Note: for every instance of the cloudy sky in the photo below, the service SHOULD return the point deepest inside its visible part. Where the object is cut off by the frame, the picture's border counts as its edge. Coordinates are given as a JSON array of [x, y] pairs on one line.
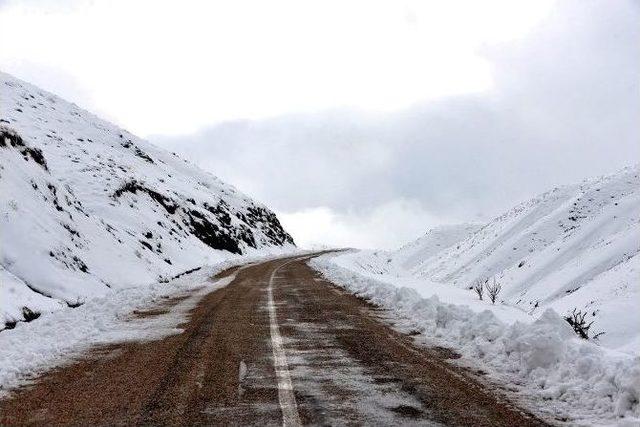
[[362, 123]]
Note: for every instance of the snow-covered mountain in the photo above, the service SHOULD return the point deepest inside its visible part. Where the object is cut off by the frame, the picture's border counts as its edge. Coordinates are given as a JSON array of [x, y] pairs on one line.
[[573, 247], [86, 206]]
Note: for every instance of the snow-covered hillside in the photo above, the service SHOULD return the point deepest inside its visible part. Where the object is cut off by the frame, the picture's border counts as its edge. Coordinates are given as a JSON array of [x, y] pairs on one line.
[[86, 206], [412, 255], [575, 247]]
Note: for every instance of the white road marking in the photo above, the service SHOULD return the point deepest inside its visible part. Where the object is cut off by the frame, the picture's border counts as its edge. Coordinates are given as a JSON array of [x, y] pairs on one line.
[[242, 373], [287, 399]]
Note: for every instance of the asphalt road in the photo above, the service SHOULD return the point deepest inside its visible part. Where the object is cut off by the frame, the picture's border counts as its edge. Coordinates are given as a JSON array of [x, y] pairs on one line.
[[277, 346]]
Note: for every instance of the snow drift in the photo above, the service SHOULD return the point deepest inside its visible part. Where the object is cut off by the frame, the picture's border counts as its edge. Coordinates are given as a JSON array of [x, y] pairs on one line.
[[546, 366], [87, 206]]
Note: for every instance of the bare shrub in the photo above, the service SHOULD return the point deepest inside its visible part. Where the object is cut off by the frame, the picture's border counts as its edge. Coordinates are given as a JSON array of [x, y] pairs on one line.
[[580, 326], [478, 287], [493, 289]]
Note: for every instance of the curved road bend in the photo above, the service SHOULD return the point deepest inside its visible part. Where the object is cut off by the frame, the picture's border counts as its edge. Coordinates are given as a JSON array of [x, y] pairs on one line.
[[277, 346]]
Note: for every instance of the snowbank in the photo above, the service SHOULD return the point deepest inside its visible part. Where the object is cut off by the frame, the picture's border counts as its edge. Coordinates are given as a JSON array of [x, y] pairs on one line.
[[554, 371]]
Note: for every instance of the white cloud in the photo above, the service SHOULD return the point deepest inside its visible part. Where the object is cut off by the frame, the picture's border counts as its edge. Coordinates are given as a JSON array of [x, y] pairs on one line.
[[173, 67], [565, 106]]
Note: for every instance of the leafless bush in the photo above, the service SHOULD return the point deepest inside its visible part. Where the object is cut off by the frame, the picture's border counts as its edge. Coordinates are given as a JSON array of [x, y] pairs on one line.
[[493, 289], [580, 326], [478, 286]]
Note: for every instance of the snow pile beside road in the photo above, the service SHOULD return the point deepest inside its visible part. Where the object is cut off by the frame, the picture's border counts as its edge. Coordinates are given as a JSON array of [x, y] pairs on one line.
[[14, 289], [554, 370]]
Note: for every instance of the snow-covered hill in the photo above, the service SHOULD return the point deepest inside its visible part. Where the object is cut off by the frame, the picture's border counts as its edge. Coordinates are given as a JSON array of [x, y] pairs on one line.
[[573, 247], [86, 206]]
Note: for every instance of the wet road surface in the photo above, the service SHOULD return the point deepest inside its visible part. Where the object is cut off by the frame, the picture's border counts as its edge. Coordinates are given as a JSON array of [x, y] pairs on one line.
[[278, 346]]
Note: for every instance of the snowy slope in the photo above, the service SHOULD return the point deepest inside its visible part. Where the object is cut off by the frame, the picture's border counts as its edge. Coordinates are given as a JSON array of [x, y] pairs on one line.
[[410, 256], [86, 206], [413, 254], [573, 247]]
